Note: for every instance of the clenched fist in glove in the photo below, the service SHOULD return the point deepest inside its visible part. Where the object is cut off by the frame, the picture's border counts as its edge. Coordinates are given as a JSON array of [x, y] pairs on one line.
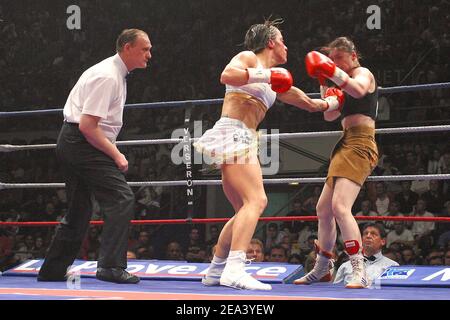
[[279, 79], [335, 99], [320, 66]]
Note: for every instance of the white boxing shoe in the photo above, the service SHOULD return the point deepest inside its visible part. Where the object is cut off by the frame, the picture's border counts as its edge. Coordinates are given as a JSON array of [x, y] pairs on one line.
[[234, 275], [212, 277], [320, 273], [242, 280], [359, 278]]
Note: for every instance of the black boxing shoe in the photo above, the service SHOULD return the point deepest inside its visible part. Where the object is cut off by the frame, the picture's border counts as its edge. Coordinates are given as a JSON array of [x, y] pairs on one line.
[[116, 275]]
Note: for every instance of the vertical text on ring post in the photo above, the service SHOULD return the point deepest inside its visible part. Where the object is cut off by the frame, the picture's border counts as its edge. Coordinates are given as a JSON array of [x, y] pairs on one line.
[[267, 147]]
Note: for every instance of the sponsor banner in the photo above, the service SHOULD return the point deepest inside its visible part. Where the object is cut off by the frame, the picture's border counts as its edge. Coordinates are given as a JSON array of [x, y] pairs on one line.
[[414, 276], [167, 270]]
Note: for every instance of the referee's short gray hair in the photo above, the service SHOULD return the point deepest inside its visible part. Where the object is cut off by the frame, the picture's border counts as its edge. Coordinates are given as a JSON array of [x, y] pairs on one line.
[[128, 36]]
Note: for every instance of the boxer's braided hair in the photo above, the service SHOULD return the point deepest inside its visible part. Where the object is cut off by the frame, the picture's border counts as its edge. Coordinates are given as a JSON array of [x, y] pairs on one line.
[[258, 36]]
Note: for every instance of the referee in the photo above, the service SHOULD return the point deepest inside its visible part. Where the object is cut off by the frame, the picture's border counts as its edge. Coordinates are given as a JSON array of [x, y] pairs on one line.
[[373, 241], [94, 167]]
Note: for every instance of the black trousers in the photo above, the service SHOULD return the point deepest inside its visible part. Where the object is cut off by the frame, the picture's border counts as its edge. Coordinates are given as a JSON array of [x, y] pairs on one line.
[[88, 171]]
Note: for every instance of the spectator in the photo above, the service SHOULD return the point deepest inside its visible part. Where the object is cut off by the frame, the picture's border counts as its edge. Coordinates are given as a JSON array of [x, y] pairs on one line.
[[382, 200], [409, 257], [213, 236], [310, 261], [148, 203], [444, 163], [306, 238], [296, 259], [255, 250], [365, 211], [391, 254], [278, 254], [91, 242], [388, 169], [195, 244], [434, 198], [393, 211], [297, 210], [399, 235], [435, 258], [411, 164], [6, 244], [443, 229], [407, 199], [272, 236], [39, 248], [447, 258], [398, 157], [422, 228], [131, 255], [196, 254], [145, 253], [310, 203], [420, 186], [24, 250], [174, 252], [433, 162], [373, 241]]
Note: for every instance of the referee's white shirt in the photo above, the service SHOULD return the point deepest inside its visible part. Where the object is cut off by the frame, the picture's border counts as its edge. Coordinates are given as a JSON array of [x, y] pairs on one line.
[[373, 268], [101, 91]]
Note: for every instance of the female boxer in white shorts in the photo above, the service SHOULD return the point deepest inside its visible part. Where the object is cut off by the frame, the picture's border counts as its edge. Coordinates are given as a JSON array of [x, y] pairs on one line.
[[252, 85]]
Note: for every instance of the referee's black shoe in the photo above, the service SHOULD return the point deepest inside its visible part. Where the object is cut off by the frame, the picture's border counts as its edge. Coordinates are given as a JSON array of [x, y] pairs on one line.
[[116, 275]]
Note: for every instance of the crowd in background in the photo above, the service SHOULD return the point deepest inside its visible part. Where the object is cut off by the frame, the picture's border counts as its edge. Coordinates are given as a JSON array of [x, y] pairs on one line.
[[41, 59]]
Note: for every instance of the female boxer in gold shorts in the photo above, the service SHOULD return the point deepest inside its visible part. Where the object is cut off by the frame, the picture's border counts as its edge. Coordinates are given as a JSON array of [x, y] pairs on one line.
[[352, 160]]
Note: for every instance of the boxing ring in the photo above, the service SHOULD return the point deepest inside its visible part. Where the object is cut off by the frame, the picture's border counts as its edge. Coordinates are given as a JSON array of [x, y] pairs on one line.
[[25, 287]]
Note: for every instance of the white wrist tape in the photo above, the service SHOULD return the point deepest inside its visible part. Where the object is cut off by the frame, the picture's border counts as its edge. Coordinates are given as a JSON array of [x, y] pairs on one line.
[[258, 75], [340, 77], [323, 89], [333, 103]]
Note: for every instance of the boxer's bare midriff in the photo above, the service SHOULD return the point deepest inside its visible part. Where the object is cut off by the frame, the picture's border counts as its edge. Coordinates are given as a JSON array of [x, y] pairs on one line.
[[245, 108], [355, 120]]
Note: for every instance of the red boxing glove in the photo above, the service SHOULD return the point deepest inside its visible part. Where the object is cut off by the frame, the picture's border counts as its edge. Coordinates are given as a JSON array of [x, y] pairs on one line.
[[279, 78], [320, 66], [335, 99]]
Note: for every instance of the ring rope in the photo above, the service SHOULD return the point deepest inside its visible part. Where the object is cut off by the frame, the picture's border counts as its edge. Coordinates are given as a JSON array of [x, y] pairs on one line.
[[154, 105], [224, 220], [294, 135], [218, 182]]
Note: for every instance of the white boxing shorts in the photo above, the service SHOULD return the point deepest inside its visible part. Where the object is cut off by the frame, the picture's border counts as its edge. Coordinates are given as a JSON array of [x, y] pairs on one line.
[[229, 141]]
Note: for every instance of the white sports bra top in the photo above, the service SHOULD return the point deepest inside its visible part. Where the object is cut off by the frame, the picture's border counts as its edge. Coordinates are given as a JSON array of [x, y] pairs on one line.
[[260, 91]]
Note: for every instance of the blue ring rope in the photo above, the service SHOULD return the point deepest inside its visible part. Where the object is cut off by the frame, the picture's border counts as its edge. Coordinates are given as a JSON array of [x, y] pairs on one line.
[[183, 103]]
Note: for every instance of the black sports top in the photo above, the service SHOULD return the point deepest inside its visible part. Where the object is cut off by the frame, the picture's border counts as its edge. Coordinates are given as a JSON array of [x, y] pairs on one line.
[[367, 105]]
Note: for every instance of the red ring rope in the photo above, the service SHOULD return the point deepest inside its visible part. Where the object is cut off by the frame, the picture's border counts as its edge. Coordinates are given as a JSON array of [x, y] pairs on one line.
[[223, 220]]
